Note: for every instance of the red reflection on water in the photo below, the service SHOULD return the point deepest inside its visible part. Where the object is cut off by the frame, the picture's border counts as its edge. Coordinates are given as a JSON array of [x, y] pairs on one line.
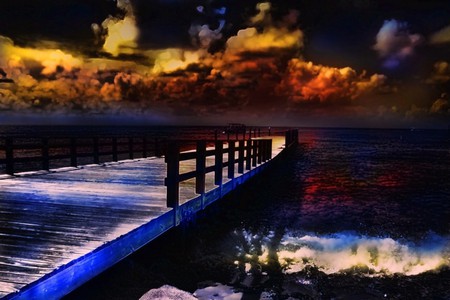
[[396, 176], [308, 139], [311, 189], [328, 186]]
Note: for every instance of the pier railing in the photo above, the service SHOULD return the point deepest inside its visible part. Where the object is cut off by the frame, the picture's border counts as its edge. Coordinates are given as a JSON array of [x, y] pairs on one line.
[[241, 155], [24, 153], [40, 153]]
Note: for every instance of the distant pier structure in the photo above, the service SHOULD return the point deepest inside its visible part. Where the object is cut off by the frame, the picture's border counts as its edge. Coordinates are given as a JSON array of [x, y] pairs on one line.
[[60, 227]]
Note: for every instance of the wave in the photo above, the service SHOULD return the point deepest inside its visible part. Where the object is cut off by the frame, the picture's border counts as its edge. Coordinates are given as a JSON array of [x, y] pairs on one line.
[[342, 252], [378, 256]]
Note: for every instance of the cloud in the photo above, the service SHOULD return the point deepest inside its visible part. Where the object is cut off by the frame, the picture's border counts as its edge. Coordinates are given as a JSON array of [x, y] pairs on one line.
[[266, 36], [308, 82], [441, 105], [250, 39], [260, 67], [394, 43], [263, 15], [49, 60], [440, 37], [204, 36], [171, 60], [118, 34], [440, 74]]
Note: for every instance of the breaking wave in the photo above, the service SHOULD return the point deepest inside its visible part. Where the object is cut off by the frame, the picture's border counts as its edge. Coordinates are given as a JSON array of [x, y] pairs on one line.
[[342, 252], [372, 255]]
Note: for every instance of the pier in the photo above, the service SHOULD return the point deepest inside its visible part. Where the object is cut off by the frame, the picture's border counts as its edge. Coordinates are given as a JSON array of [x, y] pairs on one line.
[[60, 227]]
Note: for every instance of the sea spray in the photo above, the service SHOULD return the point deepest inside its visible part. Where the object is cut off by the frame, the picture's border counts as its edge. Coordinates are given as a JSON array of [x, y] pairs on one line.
[[339, 252], [343, 251]]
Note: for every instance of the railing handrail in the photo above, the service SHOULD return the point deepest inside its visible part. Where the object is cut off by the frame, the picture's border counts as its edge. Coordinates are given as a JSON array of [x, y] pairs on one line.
[[74, 148], [251, 152]]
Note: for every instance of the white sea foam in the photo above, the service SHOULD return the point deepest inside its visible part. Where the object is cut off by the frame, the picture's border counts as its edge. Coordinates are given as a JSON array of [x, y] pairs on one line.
[[335, 253], [332, 254]]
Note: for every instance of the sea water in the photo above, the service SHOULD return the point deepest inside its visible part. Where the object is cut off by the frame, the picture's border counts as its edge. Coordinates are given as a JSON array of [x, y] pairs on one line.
[[352, 214]]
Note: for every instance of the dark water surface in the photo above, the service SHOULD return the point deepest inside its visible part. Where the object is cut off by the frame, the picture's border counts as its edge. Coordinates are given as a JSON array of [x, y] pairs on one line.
[[353, 214]]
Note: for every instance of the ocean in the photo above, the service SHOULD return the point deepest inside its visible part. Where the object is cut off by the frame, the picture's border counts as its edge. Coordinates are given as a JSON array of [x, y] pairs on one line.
[[352, 214]]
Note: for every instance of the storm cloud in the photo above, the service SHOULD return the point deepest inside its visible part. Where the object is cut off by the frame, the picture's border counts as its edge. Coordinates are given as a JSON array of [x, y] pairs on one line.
[[257, 66]]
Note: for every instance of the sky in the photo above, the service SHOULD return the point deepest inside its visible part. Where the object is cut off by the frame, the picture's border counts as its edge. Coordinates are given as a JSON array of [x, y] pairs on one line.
[[345, 63]]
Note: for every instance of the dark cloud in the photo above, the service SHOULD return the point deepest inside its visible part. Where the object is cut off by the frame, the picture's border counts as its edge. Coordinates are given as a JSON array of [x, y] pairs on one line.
[[213, 59]]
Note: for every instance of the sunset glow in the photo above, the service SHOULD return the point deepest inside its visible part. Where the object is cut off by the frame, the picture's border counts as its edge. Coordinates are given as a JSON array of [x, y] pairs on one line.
[[227, 67]]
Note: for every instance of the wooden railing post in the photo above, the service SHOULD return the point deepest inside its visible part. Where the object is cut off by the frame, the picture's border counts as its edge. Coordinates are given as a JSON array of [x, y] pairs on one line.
[[269, 149], [73, 152], [291, 137], [45, 154], [295, 137], [173, 173], [260, 144], [9, 153], [157, 148], [259, 132], [255, 153], [231, 156], [114, 149], [200, 167], [218, 166], [263, 150], [130, 147], [248, 155], [144, 147], [241, 156], [96, 151], [287, 136]]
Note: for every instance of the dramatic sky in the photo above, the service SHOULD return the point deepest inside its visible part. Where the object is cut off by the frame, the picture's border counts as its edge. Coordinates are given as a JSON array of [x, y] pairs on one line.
[[368, 63]]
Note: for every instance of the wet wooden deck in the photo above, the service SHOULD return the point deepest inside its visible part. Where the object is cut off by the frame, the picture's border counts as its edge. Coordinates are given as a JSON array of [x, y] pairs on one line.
[[50, 220]]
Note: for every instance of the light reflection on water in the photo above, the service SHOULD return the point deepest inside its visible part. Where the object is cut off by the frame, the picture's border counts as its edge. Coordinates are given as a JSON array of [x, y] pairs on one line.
[[367, 191], [388, 183]]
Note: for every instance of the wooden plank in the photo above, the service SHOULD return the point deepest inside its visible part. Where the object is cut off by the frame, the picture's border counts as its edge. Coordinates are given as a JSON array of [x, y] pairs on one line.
[[49, 221]]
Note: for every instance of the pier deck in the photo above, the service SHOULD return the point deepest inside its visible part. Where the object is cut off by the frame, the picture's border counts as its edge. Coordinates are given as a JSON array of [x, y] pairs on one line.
[[59, 224]]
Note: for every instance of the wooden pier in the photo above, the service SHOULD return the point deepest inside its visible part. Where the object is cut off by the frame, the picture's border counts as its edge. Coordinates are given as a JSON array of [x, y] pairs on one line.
[[61, 227]]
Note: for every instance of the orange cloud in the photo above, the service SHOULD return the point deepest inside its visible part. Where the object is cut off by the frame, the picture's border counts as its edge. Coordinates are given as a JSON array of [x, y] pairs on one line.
[[49, 60], [119, 35], [255, 68], [307, 82], [440, 74], [441, 105], [171, 60], [250, 39], [441, 37]]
